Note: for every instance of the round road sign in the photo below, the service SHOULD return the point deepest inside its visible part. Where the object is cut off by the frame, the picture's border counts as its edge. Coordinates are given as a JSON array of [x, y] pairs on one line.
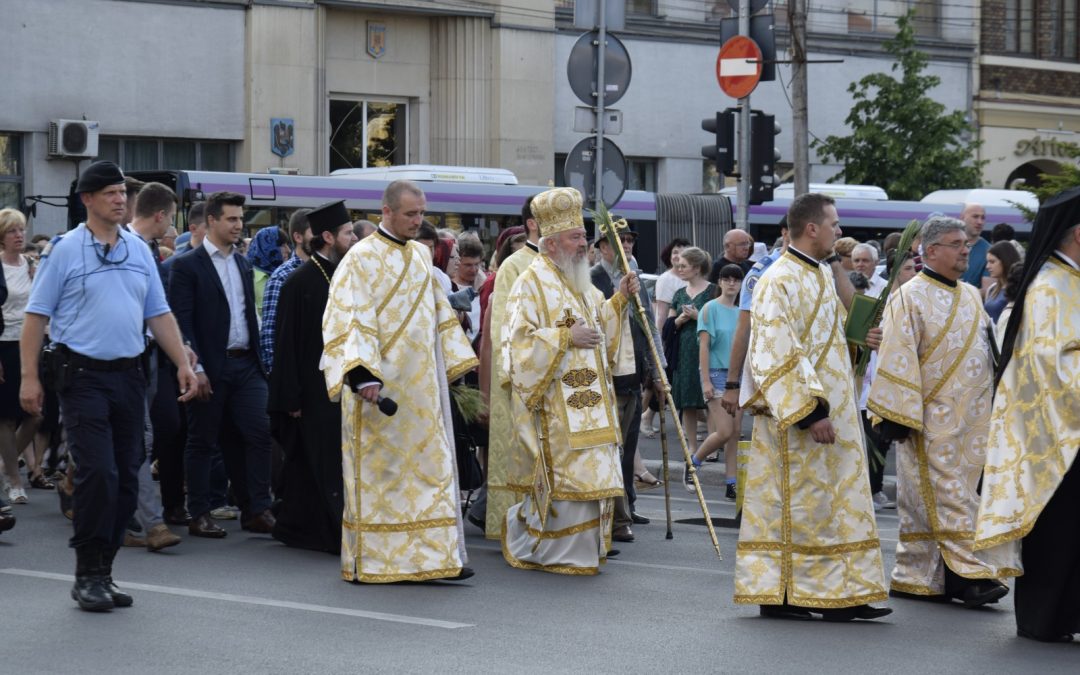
[[735, 70], [579, 172], [581, 69]]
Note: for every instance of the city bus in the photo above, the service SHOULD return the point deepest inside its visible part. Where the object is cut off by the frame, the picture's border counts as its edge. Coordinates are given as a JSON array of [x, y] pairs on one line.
[[867, 213], [458, 198]]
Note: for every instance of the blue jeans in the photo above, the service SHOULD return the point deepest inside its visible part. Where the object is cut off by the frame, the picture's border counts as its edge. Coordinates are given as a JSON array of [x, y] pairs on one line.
[[239, 399]]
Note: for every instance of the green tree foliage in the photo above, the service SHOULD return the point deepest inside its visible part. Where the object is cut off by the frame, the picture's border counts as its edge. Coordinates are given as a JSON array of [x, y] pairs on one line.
[[902, 139]]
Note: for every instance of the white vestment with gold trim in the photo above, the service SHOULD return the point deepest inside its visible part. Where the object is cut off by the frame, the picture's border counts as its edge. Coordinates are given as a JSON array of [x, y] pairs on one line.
[[568, 431], [386, 314], [808, 533], [1035, 423], [935, 376]]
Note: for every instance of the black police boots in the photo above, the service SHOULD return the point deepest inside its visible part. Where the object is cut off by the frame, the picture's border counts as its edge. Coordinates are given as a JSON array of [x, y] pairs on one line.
[[89, 589], [119, 598]]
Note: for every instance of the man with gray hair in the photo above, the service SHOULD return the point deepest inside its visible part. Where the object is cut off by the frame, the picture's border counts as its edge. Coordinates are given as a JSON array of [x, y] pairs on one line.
[[864, 258], [932, 394]]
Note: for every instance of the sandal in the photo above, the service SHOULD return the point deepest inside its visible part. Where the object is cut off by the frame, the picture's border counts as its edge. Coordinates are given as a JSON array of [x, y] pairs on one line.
[[647, 481], [40, 482]]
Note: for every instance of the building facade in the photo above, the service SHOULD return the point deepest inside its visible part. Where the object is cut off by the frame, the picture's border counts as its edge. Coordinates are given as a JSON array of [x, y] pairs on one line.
[[1028, 103], [317, 85], [674, 44]]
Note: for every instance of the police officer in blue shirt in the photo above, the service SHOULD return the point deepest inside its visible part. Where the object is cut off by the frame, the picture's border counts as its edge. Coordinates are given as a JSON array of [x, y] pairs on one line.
[[98, 290]]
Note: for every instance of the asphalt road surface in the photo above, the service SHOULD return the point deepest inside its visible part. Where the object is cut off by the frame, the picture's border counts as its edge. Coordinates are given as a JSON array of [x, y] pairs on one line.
[[248, 604]]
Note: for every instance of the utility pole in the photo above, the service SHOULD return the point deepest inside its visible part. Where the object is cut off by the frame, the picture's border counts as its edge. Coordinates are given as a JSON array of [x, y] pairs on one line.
[[601, 35], [799, 116], [742, 210]]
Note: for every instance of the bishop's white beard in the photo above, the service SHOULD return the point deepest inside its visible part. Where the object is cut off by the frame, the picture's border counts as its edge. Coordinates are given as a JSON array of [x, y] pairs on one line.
[[576, 271]]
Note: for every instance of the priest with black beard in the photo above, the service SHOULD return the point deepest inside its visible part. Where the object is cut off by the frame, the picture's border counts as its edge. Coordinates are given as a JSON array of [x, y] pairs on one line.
[[304, 420]]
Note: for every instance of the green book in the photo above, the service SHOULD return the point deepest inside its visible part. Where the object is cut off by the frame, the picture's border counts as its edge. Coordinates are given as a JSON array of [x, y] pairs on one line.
[[860, 319]]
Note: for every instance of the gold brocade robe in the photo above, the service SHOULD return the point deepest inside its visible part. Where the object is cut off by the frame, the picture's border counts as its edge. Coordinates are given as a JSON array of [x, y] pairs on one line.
[[935, 376], [562, 395], [387, 314], [1035, 424], [501, 419], [808, 530]]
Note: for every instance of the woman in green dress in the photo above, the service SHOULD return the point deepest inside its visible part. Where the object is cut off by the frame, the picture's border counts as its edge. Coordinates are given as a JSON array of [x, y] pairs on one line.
[[693, 267]]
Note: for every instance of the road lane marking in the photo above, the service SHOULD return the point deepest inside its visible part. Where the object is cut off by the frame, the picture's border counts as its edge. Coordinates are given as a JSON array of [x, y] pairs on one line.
[[251, 600]]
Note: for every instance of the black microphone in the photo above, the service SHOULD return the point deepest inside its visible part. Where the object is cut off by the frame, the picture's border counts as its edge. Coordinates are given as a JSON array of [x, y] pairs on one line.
[[387, 406], [107, 248]]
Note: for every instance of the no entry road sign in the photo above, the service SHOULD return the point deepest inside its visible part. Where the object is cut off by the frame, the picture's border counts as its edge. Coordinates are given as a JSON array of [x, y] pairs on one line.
[[735, 70]]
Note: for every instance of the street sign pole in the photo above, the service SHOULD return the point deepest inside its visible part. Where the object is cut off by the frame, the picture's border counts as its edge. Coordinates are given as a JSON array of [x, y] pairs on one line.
[[598, 180], [742, 214]]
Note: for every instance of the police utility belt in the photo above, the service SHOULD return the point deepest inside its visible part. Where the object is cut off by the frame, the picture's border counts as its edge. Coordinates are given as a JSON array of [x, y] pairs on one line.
[[59, 362]]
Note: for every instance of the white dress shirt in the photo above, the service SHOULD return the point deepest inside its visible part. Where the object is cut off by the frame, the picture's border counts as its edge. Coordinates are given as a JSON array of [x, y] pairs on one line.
[[229, 272]]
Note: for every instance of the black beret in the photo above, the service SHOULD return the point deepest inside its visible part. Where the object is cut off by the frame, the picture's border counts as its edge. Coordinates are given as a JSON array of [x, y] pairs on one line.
[[99, 176], [328, 217]]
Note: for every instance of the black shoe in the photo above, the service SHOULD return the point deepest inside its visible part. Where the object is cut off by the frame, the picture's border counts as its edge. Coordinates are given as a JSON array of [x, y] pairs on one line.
[[612, 553], [89, 591], [623, 534], [729, 492], [851, 613], [715, 457], [1064, 637], [119, 598], [464, 574], [785, 612], [639, 519], [6, 522], [983, 593], [91, 594]]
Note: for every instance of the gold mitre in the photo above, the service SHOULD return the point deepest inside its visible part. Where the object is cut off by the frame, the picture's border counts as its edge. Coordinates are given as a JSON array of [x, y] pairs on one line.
[[557, 210]]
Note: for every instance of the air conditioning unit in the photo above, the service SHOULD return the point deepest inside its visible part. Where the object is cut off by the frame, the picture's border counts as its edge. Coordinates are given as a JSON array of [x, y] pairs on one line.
[[77, 139]]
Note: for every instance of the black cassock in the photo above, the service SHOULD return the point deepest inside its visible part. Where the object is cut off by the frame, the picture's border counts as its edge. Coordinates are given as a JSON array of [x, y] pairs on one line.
[[310, 487]]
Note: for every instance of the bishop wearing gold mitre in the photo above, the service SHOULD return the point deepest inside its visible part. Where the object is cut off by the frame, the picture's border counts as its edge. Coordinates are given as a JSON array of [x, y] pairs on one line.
[[391, 338], [808, 541], [932, 395], [558, 344], [1030, 508]]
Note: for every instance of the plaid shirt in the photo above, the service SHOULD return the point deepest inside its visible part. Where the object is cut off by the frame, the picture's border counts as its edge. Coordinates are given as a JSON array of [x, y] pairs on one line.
[[269, 308]]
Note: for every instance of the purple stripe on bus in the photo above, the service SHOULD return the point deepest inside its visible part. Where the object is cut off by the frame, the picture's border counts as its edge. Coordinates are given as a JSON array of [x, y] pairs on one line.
[[261, 188]]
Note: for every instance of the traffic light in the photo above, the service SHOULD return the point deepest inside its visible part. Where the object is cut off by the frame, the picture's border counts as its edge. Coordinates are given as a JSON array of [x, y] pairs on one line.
[[763, 157], [722, 149]]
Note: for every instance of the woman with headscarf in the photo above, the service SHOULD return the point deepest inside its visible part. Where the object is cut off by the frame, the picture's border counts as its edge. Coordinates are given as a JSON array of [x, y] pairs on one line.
[[269, 248]]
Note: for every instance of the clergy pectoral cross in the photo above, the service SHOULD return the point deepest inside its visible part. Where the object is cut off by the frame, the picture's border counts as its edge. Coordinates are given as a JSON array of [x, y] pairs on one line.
[[567, 321]]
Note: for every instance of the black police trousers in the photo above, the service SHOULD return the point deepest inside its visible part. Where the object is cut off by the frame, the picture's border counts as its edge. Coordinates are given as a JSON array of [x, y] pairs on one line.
[[103, 414]]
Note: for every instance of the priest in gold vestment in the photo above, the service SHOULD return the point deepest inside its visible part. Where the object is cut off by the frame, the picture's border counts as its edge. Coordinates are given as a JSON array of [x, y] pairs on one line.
[[808, 543], [932, 394], [558, 344], [390, 333], [1031, 490], [502, 439]]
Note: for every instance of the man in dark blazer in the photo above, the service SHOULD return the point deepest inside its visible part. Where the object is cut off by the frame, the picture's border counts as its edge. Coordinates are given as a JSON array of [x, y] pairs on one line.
[[211, 290]]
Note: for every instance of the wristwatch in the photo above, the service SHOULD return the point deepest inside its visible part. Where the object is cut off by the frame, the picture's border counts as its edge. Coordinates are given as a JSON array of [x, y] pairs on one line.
[[732, 385]]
